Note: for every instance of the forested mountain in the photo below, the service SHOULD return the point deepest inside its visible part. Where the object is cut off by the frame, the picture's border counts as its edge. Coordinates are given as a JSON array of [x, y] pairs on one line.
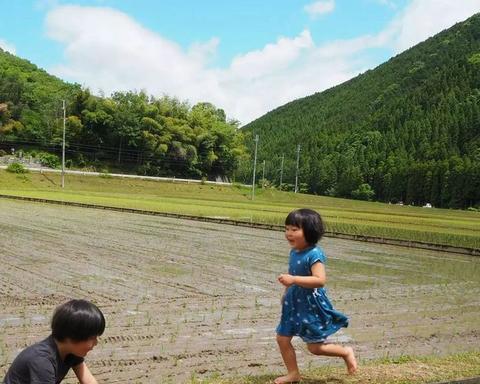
[[408, 130], [129, 131]]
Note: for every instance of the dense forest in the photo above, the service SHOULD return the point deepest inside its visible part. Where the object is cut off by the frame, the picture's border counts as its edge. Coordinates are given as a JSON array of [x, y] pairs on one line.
[[407, 131], [128, 131]]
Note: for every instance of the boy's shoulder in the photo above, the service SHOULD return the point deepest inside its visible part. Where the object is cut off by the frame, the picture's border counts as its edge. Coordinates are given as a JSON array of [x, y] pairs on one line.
[[39, 352], [37, 360]]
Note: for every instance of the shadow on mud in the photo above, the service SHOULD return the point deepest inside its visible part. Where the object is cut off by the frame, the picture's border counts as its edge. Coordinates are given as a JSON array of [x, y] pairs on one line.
[[328, 380], [268, 379]]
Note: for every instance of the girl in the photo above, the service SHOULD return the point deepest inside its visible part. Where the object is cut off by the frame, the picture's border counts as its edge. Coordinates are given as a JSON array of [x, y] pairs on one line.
[[306, 310], [75, 328]]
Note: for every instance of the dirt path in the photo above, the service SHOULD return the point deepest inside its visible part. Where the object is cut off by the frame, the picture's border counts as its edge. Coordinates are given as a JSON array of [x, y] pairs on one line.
[[189, 299]]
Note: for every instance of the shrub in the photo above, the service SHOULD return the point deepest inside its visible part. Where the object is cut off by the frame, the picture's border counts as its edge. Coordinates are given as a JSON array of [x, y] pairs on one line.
[[49, 159], [332, 191], [287, 187], [81, 160], [16, 168], [363, 192]]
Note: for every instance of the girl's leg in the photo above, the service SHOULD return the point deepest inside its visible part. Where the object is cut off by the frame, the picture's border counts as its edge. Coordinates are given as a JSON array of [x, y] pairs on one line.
[[290, 360], [335, 350]]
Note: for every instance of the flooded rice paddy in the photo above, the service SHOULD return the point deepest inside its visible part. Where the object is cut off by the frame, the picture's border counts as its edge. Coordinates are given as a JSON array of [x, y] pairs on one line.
[[185, 298]]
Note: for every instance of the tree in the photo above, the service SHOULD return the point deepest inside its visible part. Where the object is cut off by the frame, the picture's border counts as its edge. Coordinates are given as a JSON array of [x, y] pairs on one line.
[[363, 192]]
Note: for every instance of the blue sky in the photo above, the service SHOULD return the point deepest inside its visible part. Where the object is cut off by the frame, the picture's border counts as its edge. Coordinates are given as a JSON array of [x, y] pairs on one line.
[[246, 56]]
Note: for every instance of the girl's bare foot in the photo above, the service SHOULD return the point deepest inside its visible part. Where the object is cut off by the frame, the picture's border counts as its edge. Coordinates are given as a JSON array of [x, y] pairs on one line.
[[350, 361], [290, 378]]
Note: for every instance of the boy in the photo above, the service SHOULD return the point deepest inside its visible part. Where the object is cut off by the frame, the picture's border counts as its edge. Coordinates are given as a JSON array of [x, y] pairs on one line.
[[75, 328]]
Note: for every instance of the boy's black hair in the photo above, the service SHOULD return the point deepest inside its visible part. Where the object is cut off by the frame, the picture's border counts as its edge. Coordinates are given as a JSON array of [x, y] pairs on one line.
[[310, 222], [77, 320]]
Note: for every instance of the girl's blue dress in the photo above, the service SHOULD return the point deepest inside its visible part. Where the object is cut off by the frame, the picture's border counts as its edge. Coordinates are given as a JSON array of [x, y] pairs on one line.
[[307, 312]]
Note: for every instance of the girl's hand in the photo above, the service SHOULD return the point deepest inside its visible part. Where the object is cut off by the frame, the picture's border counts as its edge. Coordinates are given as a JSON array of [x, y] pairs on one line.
[[286, 279]]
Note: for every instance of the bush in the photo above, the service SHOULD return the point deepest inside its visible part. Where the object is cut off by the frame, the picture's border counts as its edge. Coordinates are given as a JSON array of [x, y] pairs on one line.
[[332, 191], [16, 168], [264, 183], [287, 187], [49, 159], [363, 192], [80, 160], [3, 153]]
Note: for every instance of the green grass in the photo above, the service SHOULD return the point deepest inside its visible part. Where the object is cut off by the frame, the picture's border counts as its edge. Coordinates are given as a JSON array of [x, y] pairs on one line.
[[402, 370], [438, 226]]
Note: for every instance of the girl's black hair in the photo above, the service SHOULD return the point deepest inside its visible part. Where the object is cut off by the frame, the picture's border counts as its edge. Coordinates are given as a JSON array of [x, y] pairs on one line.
[[77, 320], [310, 222]]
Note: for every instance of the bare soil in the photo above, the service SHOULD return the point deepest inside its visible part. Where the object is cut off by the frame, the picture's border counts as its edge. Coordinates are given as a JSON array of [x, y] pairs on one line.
[[189, 299]]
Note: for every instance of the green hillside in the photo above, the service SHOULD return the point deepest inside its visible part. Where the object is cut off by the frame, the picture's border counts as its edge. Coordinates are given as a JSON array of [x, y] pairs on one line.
[[128, 131], [408, 130], [30, 98]]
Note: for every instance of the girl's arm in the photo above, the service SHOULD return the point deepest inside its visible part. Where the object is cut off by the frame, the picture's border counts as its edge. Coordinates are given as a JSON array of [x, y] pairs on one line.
[[84, 375], [317, 280]]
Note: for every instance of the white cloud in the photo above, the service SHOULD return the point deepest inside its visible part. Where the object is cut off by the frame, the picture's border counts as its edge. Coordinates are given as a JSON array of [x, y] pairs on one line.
[[107, 50], [6, 46], [204, 52], [422, 19], [320, 7], [272, 58]]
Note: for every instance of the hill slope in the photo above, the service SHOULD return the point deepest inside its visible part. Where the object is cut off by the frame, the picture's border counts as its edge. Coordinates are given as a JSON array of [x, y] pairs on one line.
[[408, 130], [129, 131], [30, 98]]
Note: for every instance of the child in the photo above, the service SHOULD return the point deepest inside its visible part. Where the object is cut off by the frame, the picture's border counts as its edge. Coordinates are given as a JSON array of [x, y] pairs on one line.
[[306, 310], [75, 328]]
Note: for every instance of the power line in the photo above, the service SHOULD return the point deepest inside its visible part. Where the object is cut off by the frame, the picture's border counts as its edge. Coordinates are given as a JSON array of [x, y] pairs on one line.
[[106, 152]]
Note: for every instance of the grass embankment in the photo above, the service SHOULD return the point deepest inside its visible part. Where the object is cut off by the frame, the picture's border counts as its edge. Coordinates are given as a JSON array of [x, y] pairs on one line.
[[437, 226], [402, 370]]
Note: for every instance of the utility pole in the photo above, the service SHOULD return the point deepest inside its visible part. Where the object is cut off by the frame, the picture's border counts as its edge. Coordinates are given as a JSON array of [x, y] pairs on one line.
[[254, 167], [63, 147], [296, 172], [263, 175], [281, 172]]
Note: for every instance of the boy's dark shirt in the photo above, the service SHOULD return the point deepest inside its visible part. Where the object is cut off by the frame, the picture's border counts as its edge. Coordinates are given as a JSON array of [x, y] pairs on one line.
[[40, 364]]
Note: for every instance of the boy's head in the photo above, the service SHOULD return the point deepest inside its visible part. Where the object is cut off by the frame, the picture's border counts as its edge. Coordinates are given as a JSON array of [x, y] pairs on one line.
[[310, 222], [77, 320]]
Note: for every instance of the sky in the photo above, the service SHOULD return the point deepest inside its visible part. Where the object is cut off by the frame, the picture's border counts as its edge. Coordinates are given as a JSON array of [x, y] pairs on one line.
[[244, 56]]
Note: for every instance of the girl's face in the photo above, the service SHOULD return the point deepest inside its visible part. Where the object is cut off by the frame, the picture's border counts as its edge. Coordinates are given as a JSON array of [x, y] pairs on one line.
[[81, 348], [295, 237]]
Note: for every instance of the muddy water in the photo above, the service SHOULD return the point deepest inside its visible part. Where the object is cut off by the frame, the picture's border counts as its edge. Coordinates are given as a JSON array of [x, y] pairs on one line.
[[185, 299]]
